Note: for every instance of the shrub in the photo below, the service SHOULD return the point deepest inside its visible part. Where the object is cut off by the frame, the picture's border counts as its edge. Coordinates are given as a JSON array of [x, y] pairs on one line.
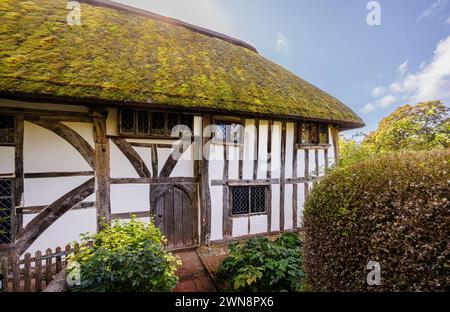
[[393, 209], [126, 256], [263, 265]]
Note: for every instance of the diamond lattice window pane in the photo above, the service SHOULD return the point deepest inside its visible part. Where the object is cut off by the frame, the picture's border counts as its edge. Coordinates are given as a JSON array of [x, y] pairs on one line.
[[306, 137], [7, 129], [240, 200], [220, 132], [258, 199], [172, 122], [127, 121], [6, 202], [323, 135], [188, 121], [158, 121], [143, 126]]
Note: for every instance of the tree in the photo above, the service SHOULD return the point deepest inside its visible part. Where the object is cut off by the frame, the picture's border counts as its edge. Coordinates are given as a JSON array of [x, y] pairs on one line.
[[424, 126]]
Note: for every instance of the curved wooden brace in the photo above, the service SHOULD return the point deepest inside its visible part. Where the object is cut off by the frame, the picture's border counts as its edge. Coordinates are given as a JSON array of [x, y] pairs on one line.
[[161, 189], [72, 137], [134, 158], [51, 213], [172, 161]]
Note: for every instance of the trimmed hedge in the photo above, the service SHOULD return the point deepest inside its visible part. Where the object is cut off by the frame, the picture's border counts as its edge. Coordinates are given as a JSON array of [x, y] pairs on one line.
[[393, 209]]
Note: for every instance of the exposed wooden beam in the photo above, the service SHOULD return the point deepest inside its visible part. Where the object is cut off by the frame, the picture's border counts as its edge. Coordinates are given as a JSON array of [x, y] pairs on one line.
[[127, 215], [133, 157], [102, 169], [154, 181], [227, 225], [38, 209], [294, 175], [255, 158], [51, 213], [173, 159], [39, 175], [17, 223], [282, 174], [205, 196]]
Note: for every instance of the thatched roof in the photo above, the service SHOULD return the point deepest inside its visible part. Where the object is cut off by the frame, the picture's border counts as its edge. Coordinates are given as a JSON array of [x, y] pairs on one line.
[[123, 56]]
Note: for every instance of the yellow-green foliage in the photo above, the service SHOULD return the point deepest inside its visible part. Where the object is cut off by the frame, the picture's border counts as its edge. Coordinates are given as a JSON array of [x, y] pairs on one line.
[[118, 56]]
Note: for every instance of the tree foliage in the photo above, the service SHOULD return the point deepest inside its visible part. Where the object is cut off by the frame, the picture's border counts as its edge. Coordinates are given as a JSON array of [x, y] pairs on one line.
[[424, 126]]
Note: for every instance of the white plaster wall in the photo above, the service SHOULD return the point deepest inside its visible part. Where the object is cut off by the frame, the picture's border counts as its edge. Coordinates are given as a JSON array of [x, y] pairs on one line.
[[289, 150], [119, 164], [233, 164], [65, 230], [300, 202], [44, 191], [262, 149], [216, 165], [276, 150], [146, 154], [301, 163], [312, 162], [331, 156], [288, 206], [321, 156], [258, 224], [249, 149], [7, 159], [84, 129], [130, 198], [275, 221], [112, 125], [44, 151], [185, 165], [216, 193], [163, 155], [240, 227]]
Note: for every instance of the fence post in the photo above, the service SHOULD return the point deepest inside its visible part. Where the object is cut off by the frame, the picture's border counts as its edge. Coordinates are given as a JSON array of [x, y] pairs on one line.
[[27, 272], [68, 250], [48, 266], [15, 272], [58, 260], [38, 271], [4, 272]]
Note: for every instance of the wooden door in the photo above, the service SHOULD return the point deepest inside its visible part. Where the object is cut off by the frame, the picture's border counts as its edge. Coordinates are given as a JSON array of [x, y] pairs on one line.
[[176, 218]]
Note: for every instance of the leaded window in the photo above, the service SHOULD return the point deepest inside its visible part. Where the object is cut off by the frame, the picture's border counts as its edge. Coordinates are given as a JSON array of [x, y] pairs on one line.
[[229, 132], [140, 122], [7, 125], [248, 199], [313, 134], [6, 206]]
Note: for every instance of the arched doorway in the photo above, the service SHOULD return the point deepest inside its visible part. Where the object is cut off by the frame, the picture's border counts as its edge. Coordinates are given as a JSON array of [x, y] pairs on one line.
[[175, 217]]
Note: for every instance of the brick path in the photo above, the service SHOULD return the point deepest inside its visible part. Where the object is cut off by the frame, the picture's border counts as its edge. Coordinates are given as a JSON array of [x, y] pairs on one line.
[[193, 276]]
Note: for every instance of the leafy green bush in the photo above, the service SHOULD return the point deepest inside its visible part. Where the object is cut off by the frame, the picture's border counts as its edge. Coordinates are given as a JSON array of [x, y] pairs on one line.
[[393, 209], [263, 265], [126, 256]]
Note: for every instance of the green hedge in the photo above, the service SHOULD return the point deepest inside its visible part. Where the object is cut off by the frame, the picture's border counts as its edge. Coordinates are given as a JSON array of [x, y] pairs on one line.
[[395, 210]]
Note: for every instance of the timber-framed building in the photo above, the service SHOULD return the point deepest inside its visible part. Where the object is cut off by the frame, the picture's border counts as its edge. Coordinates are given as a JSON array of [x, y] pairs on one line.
[[87, 114]]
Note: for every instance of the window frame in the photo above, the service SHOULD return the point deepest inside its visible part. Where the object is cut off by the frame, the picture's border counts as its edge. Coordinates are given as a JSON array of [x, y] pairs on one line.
[[13, 143], [149, 134], [12, 208], [320, 126], [228, 122], [266, 188]]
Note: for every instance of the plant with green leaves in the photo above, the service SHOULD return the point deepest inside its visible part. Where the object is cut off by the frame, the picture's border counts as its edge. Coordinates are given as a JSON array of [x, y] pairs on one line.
[[124, 257], [425, 126], [263, 265]]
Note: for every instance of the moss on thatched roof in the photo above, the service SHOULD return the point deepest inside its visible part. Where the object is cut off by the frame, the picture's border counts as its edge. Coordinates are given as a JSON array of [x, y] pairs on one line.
[[120, 57]]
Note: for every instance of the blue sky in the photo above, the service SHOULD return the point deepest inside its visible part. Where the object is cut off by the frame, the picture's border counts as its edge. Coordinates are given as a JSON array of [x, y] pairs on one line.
[[373, 69]]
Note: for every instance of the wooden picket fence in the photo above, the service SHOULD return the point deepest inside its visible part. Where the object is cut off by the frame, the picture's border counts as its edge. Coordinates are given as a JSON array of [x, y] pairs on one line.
[[33, 273]]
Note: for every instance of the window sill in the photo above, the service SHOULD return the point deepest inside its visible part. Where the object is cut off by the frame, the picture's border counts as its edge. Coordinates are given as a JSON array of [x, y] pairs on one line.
[[312, 146], [247, 215]]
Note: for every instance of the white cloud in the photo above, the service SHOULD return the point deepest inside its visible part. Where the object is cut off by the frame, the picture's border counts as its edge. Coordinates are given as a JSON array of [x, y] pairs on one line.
[[387, 101], [281, 42], [378, 91], [448, 21], [434, 9], [369, 107], [430, 82], [403, 68]]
